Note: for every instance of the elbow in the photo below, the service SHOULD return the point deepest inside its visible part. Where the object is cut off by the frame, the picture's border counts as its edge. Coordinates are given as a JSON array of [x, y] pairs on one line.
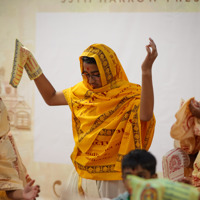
[[49, 102]]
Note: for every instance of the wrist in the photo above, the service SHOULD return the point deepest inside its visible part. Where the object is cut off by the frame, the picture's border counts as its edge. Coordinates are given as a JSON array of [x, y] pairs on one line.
[[23, 195], [15, 194], [146, 72]]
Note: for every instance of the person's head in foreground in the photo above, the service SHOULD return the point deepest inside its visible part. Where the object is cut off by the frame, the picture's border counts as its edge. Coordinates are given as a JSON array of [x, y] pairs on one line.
[[139, 162]]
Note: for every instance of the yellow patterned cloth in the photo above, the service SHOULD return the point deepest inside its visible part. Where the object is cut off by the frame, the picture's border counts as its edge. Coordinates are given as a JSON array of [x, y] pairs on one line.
[[106, 121], [23, 58], [12, 170], [160, 189]]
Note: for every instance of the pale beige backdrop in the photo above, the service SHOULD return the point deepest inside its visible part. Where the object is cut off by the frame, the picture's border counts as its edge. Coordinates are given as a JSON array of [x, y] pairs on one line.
[[18, 20]]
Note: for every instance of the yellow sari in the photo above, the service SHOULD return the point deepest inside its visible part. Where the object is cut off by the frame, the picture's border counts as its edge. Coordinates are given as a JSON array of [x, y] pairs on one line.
[[106, 121]]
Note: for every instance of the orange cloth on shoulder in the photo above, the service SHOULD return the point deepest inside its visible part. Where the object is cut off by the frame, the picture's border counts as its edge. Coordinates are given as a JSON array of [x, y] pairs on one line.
[[106, 121]]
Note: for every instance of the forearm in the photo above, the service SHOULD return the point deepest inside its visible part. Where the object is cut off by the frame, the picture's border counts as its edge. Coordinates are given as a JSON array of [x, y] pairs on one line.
[[15, 194], [147, 96]]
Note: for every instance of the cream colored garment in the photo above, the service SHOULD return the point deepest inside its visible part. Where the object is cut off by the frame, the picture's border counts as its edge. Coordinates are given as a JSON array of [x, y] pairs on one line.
[[12, 170], [4, 120], [196, 172], [173, 163], [186, 129], [186, 132], [70, 188], [9, 176], [110, 189], [92, 189]]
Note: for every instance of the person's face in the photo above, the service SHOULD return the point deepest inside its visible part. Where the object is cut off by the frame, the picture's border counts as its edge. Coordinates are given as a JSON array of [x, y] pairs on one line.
[[139, 171], [91, 72]]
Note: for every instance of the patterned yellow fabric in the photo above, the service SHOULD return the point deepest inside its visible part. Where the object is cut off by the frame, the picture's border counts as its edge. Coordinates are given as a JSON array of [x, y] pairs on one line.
[[23, 58], [160, 189], [106, 121]]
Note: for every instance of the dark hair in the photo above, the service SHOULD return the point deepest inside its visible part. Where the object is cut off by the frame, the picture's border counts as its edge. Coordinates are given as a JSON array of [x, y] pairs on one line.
[[88, 60], [139, 157]]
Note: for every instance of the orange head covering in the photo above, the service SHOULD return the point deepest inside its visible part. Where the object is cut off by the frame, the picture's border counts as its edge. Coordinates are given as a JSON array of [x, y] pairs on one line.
[[109, 66]]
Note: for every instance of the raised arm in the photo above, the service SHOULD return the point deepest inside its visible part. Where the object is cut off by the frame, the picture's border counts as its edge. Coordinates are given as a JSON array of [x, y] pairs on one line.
[[147, 95], [24, 59], [49, 94]]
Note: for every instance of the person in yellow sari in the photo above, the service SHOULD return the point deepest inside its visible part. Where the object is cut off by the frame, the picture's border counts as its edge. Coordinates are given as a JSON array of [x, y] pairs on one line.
[[110, 115]]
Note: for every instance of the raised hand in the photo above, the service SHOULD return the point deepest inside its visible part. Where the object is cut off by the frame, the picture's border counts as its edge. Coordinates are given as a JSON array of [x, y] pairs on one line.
[[151, 56], [147, 96]]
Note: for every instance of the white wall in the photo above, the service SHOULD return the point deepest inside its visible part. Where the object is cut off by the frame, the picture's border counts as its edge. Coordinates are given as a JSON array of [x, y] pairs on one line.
[[61, 38]]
